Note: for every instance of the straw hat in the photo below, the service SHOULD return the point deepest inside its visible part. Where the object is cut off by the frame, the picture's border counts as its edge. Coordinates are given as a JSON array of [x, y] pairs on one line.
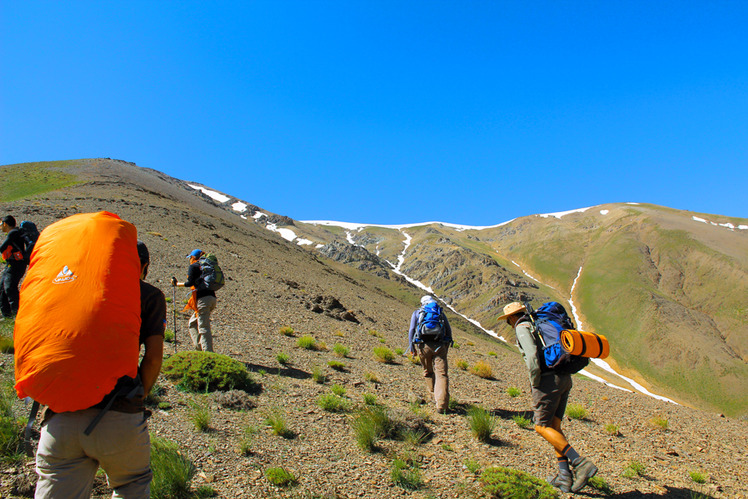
[[511, 309]]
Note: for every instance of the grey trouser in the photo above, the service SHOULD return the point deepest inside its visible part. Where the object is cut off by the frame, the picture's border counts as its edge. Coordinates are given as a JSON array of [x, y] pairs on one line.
[[199, 324], [433, 357], [67, 460], [550, 398]]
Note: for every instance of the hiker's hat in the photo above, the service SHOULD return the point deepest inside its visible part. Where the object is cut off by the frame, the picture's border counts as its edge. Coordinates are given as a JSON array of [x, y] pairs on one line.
[[195, 254], [511, 309], [427, 299]]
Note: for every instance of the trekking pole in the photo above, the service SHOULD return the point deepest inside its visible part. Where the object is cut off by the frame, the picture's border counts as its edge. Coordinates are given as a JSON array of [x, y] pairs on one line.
[[174, 302]]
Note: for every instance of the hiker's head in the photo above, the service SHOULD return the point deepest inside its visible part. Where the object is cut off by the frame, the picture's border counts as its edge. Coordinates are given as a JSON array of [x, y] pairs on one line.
[[513, 312], [145, 259], [427, 299], [195, 255], [8, 223]]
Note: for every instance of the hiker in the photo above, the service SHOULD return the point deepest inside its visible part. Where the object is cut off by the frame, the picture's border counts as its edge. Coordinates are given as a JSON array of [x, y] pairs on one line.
[[12, 249], [203, 301], [429, 338], [67, 459], [550, 393]]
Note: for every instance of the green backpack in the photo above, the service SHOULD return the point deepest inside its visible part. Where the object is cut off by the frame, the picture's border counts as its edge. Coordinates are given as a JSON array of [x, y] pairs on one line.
[[212, 275]]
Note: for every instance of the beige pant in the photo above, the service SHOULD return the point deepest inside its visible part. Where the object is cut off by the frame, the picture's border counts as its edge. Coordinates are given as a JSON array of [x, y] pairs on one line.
[[67, 460], [433, 357], [199, 324]]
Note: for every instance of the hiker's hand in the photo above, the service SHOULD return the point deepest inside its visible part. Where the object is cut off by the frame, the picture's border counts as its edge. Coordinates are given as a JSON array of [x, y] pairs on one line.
[[174, 281]]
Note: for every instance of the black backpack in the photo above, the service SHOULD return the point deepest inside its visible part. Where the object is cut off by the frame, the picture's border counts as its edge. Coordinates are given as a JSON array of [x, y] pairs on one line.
[[548, 322], [30, 234]]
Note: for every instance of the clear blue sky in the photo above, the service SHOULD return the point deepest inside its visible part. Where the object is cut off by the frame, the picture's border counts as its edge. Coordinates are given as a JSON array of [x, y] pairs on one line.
[[392, 111]]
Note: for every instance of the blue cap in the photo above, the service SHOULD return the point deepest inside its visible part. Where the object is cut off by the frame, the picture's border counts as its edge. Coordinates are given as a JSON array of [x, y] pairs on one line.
[[195, 254]]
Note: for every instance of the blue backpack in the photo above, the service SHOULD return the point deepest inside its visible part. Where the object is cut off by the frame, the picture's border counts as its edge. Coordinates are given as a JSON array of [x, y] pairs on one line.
[[549, 320], [430, 325]]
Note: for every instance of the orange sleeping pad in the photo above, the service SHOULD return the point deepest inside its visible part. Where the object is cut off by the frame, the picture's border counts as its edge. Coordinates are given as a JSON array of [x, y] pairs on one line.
[[585, 344], [78, 325]]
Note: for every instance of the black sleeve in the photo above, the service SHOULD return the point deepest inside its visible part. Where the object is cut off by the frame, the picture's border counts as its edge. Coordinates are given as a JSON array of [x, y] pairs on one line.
[[193, 275], [152, 311]]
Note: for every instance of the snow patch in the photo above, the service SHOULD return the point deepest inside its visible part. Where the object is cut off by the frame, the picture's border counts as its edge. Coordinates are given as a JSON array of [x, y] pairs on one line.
[[604, 212], [726, 225], [221, 198], [564, 213], [239, 206], [360, 226]]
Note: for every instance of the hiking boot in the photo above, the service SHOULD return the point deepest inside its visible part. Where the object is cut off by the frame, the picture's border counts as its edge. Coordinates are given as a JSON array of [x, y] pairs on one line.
[[562, 482], [583, 471]]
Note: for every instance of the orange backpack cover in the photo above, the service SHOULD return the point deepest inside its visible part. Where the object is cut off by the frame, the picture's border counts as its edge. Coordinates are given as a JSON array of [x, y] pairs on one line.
[[78, 325]]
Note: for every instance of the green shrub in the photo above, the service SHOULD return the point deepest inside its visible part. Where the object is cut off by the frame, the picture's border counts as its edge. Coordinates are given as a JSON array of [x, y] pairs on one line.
[[318, 376], [337, 365], [612, 429], [282, 358], [332, 403], [399, 352], [660, 422], [371, 377], [280, 477], [482, 423], [307, 343], [338, 390], [697, 476], [369, 398], [406, 475], [461, 364], [6, 344], [169, 336], [472, 466], [576, 411], [277, 423], [599, 483], [384, 355], [172, 470], [634, 469], [502, 482], [208, 371], [513, 391], [286, 331], [200, 415], [521, 421], [340, 350]]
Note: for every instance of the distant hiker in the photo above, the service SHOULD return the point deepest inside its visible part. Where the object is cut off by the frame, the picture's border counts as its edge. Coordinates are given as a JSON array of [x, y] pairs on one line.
[[203, 299], [13, 250], [550, 393], [77, 355], [429, 338]]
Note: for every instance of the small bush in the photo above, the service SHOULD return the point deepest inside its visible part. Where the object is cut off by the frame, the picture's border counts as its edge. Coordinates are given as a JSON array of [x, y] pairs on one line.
[[406, 475], [492, 354], [6, 344], [576, 411], [521, 421], [505, 482], [513, 391], [282, 358], [337, 365], [332, 403], [697, 476], [482, 423], [277, 423], [660, 422], [207, 371], [340, 350], [369, 398], [307, 343], [599, 483], [472, 466], [634, 469], [169, 336], [338, 390], [318, 376], [384, 355], [172, 470], [612, 429], [200, 415], [482, 370], [286, 331], [245, 444], [280, 477], [461, 364]]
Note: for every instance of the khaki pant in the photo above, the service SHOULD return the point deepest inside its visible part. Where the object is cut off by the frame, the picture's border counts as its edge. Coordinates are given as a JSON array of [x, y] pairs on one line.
[[199, 324], [67, 459], [433, 357]]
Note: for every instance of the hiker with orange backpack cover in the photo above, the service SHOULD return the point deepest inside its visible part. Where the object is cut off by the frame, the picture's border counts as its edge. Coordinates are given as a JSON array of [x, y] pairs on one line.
[[550, 394], [12, 249], [202, 302], [78, 334]]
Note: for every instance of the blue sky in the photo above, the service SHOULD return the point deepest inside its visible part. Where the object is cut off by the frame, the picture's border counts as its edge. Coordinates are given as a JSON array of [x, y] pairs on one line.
[[471, 112]]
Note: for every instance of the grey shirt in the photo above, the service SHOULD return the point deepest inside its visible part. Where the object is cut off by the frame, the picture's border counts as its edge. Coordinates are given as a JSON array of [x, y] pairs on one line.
[[527, 347]]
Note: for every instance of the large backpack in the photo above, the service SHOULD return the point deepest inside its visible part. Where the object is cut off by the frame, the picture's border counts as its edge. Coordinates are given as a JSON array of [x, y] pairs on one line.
[[30, 235], [211, 275], [78, 326], [430, 325], [549, 320]]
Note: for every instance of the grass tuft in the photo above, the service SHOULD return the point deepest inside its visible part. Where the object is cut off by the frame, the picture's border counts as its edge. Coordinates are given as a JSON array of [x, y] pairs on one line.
[[576, 411], [172, 470], [280, 477], [482, 370], [482, 423], [384, 355]]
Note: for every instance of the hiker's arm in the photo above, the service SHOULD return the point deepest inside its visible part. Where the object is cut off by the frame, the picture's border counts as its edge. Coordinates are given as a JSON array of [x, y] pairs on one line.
[[150, 366], [529, 352], [412, 332]]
